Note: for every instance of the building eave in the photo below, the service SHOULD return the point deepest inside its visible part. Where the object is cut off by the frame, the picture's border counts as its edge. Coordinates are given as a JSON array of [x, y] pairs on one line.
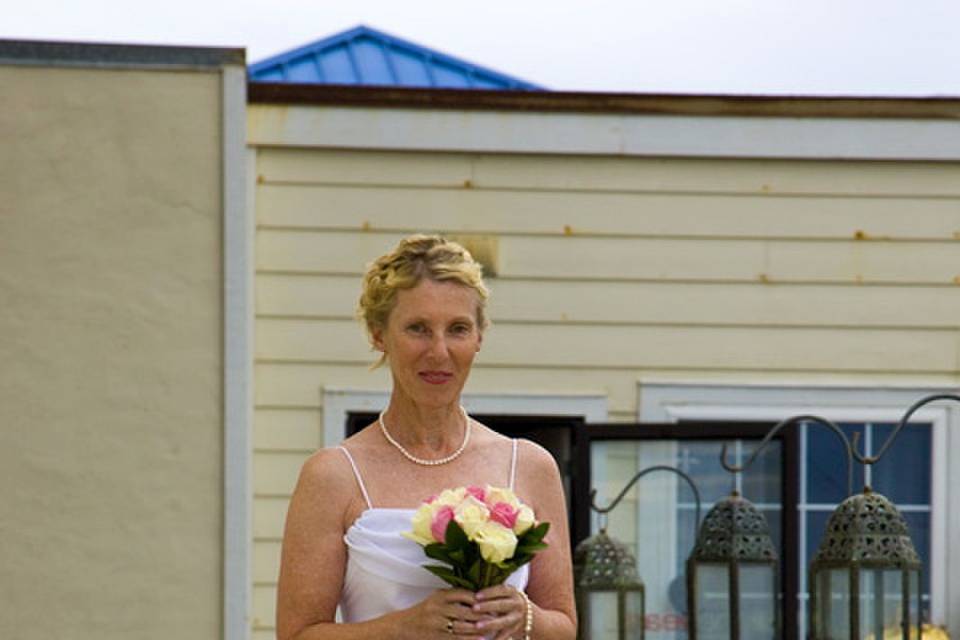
[[914, 108]]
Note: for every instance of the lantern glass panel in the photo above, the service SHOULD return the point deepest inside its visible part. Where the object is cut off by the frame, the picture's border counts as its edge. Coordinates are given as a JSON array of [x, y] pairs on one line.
[[913, 607], [757, 602], [833, 591], [633, 613], [602, 616], [881, 604], [713, 601]]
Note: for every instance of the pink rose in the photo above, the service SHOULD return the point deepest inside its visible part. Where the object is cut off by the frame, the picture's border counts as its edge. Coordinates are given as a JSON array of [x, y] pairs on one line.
[[505, 514], [476, 492], [441, 519]]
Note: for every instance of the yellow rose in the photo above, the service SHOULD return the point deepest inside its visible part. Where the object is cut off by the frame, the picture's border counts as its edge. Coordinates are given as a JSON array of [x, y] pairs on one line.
[[471, 514], [496, 542], [450, 497], [422, 519], [525, 520], [496, 494]]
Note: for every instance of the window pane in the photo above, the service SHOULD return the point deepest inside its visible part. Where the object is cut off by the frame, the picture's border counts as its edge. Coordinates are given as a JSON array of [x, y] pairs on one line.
[[827, 464], [903, 474], [701, 459], [761, 482], [919, 527]]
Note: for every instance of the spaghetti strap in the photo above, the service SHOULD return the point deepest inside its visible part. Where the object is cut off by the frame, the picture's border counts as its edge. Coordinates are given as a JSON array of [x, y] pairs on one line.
[[356, 473], [513, 465]]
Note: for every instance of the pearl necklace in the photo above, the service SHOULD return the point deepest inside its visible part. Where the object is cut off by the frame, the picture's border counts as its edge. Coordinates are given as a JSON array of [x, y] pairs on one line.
[[428, 463]]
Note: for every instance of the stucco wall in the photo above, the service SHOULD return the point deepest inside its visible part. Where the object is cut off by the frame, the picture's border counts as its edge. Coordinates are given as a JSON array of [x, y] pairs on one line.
[[110, 343]]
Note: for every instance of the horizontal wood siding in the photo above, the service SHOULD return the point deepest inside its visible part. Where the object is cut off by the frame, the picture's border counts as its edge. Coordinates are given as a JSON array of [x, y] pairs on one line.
[[609, 270]]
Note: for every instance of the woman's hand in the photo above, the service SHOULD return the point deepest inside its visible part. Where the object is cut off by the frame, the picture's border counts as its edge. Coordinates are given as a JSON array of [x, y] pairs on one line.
[[446, 613], [504, 612]]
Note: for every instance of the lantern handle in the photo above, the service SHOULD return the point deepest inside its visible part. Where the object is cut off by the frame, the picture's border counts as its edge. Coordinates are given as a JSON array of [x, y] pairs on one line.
[[903, 422], [603, 511], [795, 420]]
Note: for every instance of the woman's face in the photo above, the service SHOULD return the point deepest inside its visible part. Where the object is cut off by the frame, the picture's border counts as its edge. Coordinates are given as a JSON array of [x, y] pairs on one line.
[[430, 340]]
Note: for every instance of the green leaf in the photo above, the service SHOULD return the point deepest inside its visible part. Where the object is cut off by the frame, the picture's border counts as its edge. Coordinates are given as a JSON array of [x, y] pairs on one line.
[[531, 548], [438, 551], [451, 578], [455, 537], [535, 534]]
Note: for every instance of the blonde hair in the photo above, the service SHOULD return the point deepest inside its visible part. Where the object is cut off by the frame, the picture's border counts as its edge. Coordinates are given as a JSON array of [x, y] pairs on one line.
[[415, 258]]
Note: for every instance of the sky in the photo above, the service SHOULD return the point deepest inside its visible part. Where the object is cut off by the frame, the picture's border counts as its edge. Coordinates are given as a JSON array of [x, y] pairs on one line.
[[732, 47]]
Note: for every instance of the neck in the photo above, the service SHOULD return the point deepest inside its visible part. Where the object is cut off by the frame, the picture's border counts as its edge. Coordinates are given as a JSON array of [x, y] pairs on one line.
[[433, 429]]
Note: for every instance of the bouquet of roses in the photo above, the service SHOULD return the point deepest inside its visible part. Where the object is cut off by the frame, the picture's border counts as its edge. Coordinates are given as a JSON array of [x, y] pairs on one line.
[[482, 534]]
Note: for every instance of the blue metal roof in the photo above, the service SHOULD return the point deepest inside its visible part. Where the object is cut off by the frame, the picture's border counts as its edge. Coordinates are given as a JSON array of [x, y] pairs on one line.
[[365, 56]]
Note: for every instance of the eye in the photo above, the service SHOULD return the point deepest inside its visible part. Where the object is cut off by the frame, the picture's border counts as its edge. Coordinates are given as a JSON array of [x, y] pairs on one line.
[[461, 329], [417, 328]]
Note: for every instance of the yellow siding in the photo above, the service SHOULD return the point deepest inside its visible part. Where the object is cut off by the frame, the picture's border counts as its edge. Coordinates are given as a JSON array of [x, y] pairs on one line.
[[523, 212], [264, 608], [610, 270]]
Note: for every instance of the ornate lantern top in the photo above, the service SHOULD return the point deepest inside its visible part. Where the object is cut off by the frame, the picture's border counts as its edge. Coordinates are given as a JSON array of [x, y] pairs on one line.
[[867, 529], [600, 562], [734, 530]]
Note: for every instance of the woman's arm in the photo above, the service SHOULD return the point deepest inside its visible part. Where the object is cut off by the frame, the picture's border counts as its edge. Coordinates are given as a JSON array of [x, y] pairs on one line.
[[551, 571], [313, 557]]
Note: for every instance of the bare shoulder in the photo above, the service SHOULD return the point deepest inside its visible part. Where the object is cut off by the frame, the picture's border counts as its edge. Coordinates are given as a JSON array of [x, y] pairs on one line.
[[538, 477], [325, 466], [326, 474], [535, 460]]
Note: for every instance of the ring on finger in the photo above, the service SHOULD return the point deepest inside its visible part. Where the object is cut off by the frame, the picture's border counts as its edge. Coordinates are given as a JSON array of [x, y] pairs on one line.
[[449, 626]]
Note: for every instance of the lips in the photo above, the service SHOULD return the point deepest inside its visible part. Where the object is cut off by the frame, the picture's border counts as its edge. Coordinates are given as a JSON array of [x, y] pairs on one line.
[[435, 377]]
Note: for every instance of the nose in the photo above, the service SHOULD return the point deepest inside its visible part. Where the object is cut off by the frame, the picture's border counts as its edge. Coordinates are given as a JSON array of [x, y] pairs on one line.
[[438, 347]]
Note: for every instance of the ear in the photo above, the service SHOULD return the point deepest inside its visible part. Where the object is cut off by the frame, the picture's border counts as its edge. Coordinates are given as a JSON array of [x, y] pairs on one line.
[[479, 341], [376, 338]]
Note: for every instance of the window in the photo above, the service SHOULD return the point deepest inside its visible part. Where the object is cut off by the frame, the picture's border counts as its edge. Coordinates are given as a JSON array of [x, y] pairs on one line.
[[657, 518], [913, 474]]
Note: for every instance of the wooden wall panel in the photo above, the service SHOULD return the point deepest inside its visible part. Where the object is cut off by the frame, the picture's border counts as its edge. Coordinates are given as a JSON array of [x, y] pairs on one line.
[[610, 271]]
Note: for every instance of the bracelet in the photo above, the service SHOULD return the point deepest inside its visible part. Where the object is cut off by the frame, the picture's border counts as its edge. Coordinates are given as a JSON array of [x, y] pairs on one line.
[[528, 618]]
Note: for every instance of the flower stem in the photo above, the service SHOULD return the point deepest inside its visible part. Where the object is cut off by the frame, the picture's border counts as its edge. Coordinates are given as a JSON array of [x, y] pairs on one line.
[[485, 581]]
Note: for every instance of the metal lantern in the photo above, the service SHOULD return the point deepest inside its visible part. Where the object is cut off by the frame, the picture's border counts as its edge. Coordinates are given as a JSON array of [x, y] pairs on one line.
[[732, 576], [865, 578], [610, 595]]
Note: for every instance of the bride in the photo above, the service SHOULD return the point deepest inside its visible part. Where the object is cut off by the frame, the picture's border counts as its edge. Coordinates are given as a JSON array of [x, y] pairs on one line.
[[423, 306]]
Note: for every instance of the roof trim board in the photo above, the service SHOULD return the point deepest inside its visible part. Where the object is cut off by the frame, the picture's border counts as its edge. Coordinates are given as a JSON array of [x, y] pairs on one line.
[[94, 54], [624, 103]]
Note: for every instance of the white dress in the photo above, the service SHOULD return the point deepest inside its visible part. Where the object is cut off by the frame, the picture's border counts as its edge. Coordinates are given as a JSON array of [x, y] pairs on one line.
[[385, 570]]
